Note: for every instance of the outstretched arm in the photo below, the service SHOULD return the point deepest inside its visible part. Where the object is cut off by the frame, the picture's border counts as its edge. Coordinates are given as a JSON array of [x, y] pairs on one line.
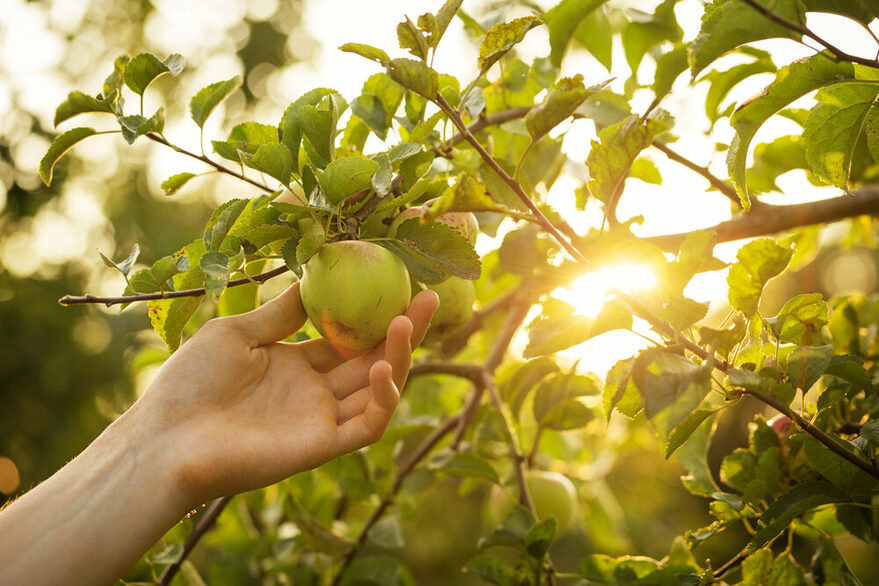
[[233, 410]]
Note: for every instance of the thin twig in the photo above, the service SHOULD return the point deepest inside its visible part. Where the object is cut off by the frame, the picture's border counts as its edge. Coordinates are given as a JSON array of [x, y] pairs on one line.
[[205, 522], [110, 301], [420, 452], [800, 29], [161, 140], [717, 183]]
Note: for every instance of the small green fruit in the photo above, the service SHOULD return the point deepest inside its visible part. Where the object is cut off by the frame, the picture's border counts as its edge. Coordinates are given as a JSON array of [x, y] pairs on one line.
[[351, 291], [456, 297], [553, 494]]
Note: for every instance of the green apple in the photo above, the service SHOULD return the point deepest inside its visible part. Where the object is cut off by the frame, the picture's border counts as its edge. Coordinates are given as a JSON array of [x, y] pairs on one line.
[[553, 494], [351, 291], [456, 297]]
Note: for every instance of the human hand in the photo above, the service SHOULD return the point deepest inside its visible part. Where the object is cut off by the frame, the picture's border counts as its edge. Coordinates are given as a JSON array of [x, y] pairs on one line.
[[243, 410]]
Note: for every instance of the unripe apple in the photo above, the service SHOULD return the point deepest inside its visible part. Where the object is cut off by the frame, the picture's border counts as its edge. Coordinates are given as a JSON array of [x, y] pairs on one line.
[[456, 297], [553, 494], [351, 291], [464, 222]]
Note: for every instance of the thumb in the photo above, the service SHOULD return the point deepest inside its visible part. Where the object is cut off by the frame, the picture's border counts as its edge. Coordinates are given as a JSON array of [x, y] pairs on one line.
[[272, 321]]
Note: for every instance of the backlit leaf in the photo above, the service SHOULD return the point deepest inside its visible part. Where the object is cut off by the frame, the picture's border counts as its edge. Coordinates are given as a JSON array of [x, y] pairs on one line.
[[209, 97], [368, 51], [563, 99], [62, 143], [727, 24], [502, 37], [433, 251], [145, 68], [758, 261], [80, 103], [791, 82], [172, 184], [562, 21], [837, 126], [416, 76]]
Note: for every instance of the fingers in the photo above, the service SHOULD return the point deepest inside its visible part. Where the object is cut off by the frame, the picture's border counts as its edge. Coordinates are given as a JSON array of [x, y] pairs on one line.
[[272, 321], [368, 426], [398, 348], [404, 333], [420, 311]]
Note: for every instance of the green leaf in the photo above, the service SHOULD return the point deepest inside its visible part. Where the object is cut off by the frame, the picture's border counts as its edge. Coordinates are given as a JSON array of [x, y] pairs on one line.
[[604, 569], [368, 51], [383, 178], [123, 267], [727, 24], [346, 176], [724, 340], [144, 69], [492, 570], [388, 532], [169, 316], [686, 428], [318, 125], [221, 221], [791, 82], [463, 465], [516, 387], [549, 335], [801, 319], [290, 127], [758, 261], [433, 251], [111, 91], [444, 17], [468, 195], [134, 126], [416, 76], [215, 266], [502, 37], [562, 100], [595, 33], [837, 126], [540, 537], [791, 505], [611, 157], [620, 392], [851, 369], [172, 184], [693, 456], [723, 81], [671, 388], [556, 403], [208, 98], [669, 66], [273, 159], [80, 103], [247, 137], [62, 143], [645, 31], [411, 38], [310, 243], [806, 364], [288, 253], [842, 473], [562, 22], [377, 571]]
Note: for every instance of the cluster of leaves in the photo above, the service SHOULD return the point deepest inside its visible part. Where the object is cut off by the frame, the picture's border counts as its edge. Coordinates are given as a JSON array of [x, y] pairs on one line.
[[812, 473]]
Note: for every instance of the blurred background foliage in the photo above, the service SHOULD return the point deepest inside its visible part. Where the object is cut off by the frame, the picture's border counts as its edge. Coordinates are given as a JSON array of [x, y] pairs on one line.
[[65, 373]]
